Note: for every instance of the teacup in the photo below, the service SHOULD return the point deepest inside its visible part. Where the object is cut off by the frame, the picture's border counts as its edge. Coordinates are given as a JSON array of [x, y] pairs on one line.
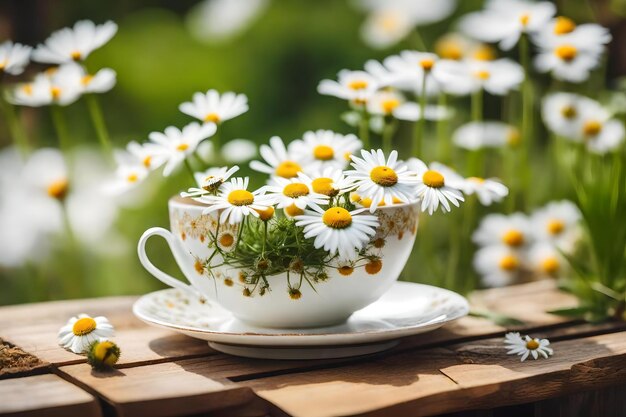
[[331, 302]]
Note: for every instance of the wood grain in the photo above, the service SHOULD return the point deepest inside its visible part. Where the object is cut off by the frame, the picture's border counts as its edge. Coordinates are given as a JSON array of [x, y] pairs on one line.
[[28, 396]]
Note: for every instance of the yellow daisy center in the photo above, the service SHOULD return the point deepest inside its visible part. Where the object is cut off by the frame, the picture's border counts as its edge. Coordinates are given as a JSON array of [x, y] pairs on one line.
[[3, 64], [388, 22], [240, 198], [55, 92], [198, 267], [483, 75], [288, 169], [513, 238], [132, 177], [84, 326], [427, 64], [346, 270], [524, 19], [550, 265], [433, 179], [227, 240], [384, 176], [296, 190], [324, 152], [27, 89], [592, 128], [347, 156], [509, 263], [477, 180], [449, 49], [564, 25], [182, 147], [147, 161], [58, 189], [76, 55], [532, 344], [324, 186], [374, 266], [337, 218], [390, 105], [569, 112], [555, 226], [357, 85], [266, 214], [293, 211], [484, 53], [86, 79], [212, 117], [105, 352], [566, 52]]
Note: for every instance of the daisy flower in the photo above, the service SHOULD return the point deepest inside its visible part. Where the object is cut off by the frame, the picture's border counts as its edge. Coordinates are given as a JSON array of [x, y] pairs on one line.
[[338, 230], [465, 77], [81, 331], [487, 190], [512, 231], [61, 86], [566, 61], [100, 82], [562, 112], [329, 181], [380, 179], [278, 161], [505, 21], [457, 47], [497, 265], [527, 346], [210, 180], [13, 57], [47, 171], [235, 201], [324, 148], [437, 185], [214, 21], [354, 86], [558, 223], [409, 69], [66, 45], [293, 192], [216, 108], [237, 151], [412, 112], [589, 37], [598, 131], [545, 260], [178, 144], [130, 172], [490, 134]]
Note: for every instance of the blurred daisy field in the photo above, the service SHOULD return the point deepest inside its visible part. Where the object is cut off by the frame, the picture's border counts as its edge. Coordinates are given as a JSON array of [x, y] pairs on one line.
[[516, 107]]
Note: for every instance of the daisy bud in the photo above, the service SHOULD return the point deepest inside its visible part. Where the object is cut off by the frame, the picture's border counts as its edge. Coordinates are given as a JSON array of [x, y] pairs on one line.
[[295, 294], [103, 354]]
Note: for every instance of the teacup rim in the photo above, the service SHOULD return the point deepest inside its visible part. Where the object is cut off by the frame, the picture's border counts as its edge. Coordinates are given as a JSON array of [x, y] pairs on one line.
[[187, 202]]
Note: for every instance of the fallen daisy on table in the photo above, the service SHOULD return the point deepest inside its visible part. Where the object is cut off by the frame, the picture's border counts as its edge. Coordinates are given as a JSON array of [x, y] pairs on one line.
[[527, 346], [82, 330]]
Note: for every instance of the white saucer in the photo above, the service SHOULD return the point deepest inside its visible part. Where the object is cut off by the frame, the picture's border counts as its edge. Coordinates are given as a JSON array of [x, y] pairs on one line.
[[406, 309]]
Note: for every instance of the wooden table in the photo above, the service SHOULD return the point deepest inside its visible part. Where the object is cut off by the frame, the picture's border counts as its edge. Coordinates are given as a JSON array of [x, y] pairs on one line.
[[462, 368]]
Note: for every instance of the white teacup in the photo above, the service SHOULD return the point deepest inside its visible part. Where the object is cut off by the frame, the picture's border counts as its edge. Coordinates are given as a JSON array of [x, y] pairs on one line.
[[332, 302]]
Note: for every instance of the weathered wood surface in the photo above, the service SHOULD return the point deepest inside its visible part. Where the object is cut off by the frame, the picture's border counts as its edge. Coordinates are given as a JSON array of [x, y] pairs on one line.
[[460, 367]]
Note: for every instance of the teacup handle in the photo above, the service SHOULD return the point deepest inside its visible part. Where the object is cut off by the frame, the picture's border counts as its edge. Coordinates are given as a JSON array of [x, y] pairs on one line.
[[156, 272]]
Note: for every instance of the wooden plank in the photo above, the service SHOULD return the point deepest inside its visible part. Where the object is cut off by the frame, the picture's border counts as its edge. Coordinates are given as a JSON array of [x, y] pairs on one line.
[[46, 395], [475, 375], [165, 389]]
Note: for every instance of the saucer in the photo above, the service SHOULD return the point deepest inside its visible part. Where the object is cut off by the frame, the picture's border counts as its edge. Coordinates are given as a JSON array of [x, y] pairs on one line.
[[405, 310]]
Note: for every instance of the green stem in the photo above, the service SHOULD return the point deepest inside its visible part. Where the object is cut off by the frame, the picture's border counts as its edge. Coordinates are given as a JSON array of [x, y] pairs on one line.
[[60, 126], [420, 124], [95, 111], [15, 127], [364, 129], [476, 157], [388, 131], [527, 108], [190, 171], [444, 142], [419, 41], [217, 146]]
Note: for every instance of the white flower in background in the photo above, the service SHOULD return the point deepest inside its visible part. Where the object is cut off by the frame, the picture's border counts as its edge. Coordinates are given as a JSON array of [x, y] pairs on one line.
[[82, 330], [294, 194], [545, 260], [457, 47], [100, 82], [62, 86], [477, 135], [354, 86], [235, 201], [505, 21], [390, 21], [412, 112], [216, 108], [437, 186], [512, 231], [130, 172], [151, 155], [278, 162], [13, 57], [237, 151], [324, 148], [214, 21], [589, 37], [565, 61], [46, 171], [527, 346], [487, 190], [382, 180], [465, 77], [338, 230], [178, 144], [558, 223], [562, 113], [328, 181], [497, 265], [66, 45], [409, 68], [599, 132]]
